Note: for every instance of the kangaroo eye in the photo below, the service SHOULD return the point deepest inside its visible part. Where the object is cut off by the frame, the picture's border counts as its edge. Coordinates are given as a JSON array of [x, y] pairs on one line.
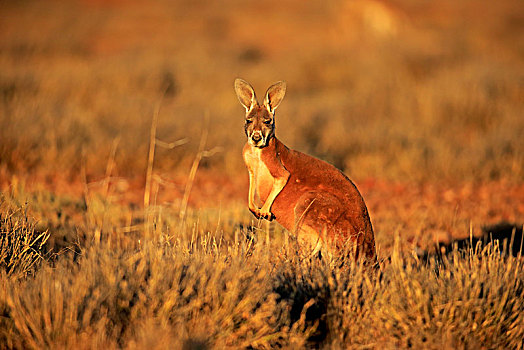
[[249, 121], [267, 122]]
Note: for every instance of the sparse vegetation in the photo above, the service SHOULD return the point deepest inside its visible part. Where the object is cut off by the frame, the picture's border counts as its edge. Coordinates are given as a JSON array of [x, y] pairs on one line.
[[437, 96], [419, 102], [224, 290]]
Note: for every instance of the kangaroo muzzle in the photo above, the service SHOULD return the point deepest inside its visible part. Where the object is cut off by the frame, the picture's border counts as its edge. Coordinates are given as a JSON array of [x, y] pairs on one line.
[[256, 137]]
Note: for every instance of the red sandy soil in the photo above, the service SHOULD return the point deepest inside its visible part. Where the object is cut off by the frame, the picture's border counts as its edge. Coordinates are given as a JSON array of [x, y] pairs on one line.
[[394, 206]]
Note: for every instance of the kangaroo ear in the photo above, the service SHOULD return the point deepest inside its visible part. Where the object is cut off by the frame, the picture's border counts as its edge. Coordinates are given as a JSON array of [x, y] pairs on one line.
[[245, 93], [275, 95]]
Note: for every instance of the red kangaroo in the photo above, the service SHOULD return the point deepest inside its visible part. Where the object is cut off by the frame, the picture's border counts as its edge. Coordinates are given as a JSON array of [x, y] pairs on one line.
[[307, 196]]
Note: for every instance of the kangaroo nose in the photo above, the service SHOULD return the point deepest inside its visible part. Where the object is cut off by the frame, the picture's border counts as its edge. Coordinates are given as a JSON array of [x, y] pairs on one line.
[[256, 137]]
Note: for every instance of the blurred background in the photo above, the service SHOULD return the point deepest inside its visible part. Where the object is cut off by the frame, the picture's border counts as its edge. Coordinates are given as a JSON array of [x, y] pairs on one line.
[[398, 90], [420, 102]]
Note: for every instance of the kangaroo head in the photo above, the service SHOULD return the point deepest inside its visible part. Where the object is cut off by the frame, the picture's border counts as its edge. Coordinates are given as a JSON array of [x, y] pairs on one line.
[[260, 120]]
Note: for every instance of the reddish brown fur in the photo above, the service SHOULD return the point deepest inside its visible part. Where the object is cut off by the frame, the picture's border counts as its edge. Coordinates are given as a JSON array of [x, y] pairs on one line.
[[314, 200]]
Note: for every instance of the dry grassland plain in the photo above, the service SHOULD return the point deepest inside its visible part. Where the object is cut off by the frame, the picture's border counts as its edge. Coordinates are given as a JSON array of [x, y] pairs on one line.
[[123, 203]]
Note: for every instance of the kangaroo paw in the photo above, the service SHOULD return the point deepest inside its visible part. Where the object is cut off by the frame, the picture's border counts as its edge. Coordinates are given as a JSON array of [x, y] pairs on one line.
[[267, 215], [255, 212]]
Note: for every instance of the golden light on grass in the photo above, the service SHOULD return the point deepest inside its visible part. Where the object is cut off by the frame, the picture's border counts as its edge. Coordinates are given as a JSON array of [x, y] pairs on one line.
[[113, 236]]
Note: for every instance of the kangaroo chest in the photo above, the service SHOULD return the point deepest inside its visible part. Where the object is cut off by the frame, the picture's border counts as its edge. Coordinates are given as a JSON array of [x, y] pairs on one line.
[[263, 178]]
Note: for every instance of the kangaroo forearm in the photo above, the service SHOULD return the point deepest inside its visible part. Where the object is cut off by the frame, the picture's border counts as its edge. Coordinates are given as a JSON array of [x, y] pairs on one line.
[[251, 195], [278, 186]]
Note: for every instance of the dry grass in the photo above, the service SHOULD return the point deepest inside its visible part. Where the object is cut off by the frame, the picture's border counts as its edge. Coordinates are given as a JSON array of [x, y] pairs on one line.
[[419, 102], [21, 247], [225, 289], [439, 95]]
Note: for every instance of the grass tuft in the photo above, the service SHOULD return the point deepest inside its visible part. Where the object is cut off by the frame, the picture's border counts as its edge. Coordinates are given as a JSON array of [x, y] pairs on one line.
[[21, 246]]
